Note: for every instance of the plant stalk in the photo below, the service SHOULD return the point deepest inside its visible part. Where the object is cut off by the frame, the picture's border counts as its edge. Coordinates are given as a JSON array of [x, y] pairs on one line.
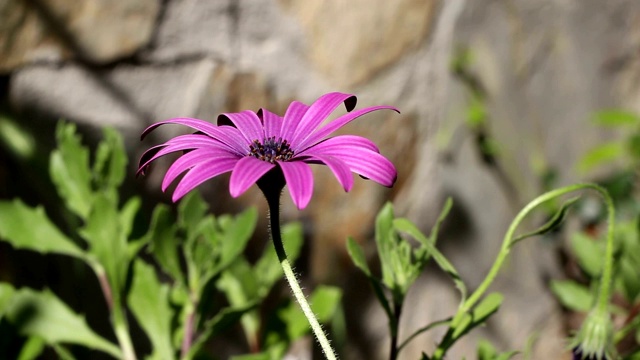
[[272, 193]]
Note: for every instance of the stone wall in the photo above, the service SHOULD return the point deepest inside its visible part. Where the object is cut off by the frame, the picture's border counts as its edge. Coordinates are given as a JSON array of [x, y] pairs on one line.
[[545, 66]]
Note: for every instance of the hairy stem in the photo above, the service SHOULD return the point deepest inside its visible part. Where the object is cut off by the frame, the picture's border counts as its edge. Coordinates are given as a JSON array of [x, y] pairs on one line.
[[273, 199]]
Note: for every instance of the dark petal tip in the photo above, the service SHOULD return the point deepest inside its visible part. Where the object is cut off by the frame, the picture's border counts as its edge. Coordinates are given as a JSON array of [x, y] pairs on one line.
[[350, 103]]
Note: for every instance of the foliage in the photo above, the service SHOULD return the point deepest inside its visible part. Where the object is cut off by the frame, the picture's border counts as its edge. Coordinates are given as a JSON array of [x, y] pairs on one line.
[[194, 251]]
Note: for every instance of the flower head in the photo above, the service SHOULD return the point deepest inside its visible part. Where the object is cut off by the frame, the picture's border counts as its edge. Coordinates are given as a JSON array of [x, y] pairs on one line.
[[252, 145], [594, 340]]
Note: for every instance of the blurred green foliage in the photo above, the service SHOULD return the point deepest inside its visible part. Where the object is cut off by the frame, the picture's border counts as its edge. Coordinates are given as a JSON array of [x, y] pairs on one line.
[[166, 278]]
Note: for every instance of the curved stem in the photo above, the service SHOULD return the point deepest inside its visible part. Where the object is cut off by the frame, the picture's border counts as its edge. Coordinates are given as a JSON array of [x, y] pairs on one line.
[[605, 285], [273, 199]]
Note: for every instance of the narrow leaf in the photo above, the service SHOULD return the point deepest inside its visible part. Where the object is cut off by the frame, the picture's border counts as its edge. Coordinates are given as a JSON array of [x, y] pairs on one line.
[[357, 256], [589, 253], [406, 226], [42, 314], [600, 155], [616, 118], [32, 348], [555, 221], [572, 295], [385, 241], [30, 228], [6, 294], [448, 204]]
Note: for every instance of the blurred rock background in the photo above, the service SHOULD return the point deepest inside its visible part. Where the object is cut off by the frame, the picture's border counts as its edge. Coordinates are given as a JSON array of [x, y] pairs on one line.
[[540, 68]]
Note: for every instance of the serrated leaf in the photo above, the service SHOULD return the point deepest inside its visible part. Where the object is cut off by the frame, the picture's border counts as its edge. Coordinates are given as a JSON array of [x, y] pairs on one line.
[[30, 228], [615, 118], [589, 253], [42, 314], [106, 241], [357, 256], [555, 221], [163, 241], [406, 226], [149, 302], [70, 172], [110, 161], [572, 295], [600, 155]]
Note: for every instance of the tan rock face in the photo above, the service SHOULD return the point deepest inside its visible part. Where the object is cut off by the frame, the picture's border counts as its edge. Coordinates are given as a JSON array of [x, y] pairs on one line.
[[351, 49], [96, 31]]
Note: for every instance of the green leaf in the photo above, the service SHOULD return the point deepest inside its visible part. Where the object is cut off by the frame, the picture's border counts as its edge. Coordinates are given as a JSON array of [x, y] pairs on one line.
[[107, 241], [357, 256], [572, 295], [486, 350], [111, 161], [268, 269], [406, 226], [42, 314], [30, 228], [128, 214], [69, 170], [325, 300], [600, 155], [555, 221], [479, 314], [149, 302], [615, 118], [220, 323], [32, 348], [6, 295], [164, 242], [191, 210], [589, 253], [236, 236], [448, 204], [385, 241]]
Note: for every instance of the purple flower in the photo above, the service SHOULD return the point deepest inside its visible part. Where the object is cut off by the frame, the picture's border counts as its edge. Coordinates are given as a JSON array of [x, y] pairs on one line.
[[250, 145]]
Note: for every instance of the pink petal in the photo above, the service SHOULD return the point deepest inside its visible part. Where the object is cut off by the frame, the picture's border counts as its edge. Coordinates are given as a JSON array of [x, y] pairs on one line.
[[247, 171], [178, 144], [193, 159], [342, 140], [225, 134], [318, 112], [299, 178], [247, 122], [271, 122], [337, 124], [292, 117], [202, 172], [339, 168], [362, 161]]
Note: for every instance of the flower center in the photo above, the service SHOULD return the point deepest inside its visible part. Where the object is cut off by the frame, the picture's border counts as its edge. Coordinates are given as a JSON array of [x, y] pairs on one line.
[[271, 150]]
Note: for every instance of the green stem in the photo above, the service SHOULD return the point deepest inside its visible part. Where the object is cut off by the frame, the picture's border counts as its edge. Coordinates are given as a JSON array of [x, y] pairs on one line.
[[605, 285], [273, 200], [120, 327]]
